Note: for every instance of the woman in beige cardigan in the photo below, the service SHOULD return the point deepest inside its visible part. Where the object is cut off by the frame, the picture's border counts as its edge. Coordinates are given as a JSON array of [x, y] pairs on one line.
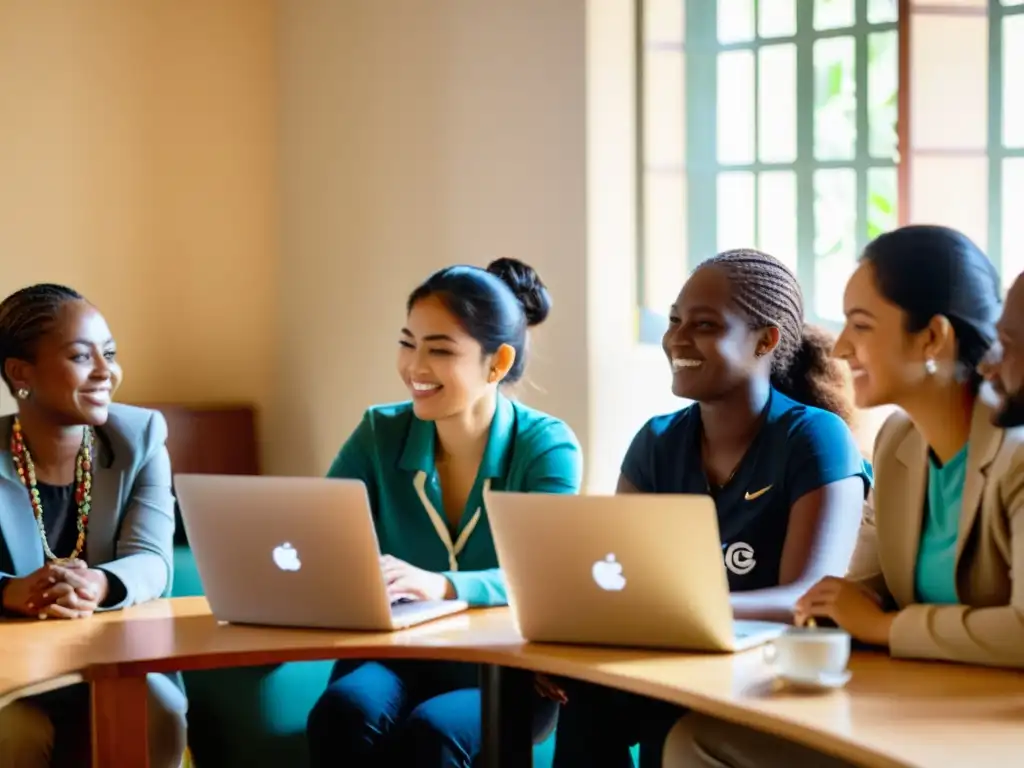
[[931, 575]]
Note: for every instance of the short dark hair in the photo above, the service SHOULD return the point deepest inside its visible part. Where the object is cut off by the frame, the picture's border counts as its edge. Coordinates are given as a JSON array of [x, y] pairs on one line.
[[928, 270], [26, 316], [802, 365], [495, 305]]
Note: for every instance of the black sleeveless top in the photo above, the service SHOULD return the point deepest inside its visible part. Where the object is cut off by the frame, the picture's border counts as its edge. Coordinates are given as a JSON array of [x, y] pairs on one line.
[[60, 515]]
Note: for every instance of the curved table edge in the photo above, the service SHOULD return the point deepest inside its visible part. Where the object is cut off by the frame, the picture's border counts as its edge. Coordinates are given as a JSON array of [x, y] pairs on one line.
[[41, 686], [514, 658]]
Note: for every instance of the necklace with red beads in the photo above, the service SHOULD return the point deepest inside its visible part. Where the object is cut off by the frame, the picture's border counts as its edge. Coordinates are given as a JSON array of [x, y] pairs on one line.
[[83, 487]]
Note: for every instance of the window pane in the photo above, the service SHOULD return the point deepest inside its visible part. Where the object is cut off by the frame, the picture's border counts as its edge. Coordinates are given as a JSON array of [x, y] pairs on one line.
[[835, 238], [883, 89], [736, 107], [663, 21], [776, 215], [735, 210], [1013, 222], [664, 238], [949, 82], [835, 99], [776, 103], [944, 5], [931, 199], [1013, 81], [776, 18], [881, 11], [735, 20], [1013, 2], [832, 14], [664, 126], [883, 199]]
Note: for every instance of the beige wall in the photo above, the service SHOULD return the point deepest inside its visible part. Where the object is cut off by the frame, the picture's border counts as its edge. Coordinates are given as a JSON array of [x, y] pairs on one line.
[[137, 161], [629, 382], [415, 135], [251, 195]]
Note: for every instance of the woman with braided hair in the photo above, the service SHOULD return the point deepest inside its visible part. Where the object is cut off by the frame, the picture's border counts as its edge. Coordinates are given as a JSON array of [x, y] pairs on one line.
[[86, 513], [767, 437]]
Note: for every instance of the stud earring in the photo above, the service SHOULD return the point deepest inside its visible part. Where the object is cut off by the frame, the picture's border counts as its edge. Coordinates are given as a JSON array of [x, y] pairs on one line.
[[23, 394], [930, 366]]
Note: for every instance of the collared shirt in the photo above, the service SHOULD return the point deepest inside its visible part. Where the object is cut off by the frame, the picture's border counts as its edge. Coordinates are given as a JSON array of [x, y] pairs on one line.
[[935, 573], [392, 452], [797, 450]]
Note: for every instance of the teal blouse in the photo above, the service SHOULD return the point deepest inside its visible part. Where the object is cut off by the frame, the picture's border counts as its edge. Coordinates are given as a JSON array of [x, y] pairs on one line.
[[935, 575], [392, 452]]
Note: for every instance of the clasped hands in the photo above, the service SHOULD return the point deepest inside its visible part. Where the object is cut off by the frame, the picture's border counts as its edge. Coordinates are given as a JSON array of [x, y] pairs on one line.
[[69, 590], [852, 606]]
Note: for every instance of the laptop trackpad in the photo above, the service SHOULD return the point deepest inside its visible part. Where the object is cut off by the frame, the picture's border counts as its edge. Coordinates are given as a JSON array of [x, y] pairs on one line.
[[409, 607]]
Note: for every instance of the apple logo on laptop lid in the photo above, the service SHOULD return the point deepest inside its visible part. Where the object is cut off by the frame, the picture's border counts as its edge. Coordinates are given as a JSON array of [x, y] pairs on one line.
[[608, 574], [286, 557]]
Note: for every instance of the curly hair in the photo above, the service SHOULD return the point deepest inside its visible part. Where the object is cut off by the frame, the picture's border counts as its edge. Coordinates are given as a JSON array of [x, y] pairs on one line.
[[803, 368]]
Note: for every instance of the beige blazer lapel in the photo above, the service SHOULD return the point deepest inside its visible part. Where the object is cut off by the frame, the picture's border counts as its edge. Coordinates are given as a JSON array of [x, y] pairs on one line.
[[983, 445], [904, 519]]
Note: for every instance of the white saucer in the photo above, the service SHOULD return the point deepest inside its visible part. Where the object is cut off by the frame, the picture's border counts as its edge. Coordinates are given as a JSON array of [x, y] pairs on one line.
[[823, 681]]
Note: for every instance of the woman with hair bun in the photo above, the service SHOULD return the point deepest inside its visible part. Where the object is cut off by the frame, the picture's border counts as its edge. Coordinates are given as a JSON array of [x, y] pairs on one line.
[[426, 464]]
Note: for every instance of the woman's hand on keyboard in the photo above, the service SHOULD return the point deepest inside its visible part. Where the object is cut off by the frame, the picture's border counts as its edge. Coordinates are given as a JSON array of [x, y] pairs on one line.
[[403, 579]]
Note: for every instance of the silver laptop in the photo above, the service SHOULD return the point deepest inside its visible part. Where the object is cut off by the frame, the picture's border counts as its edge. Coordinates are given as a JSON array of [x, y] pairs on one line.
[[640, 570], [292, 551]]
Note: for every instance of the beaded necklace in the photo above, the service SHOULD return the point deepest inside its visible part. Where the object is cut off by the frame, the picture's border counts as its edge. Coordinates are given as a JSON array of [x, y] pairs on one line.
[[83, 487]]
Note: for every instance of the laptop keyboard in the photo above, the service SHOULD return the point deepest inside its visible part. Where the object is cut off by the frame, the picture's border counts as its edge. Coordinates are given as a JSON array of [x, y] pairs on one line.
[[744, 628]]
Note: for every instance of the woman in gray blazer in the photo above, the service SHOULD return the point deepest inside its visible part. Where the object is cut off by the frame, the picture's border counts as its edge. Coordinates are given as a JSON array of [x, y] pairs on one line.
[[86, 511]]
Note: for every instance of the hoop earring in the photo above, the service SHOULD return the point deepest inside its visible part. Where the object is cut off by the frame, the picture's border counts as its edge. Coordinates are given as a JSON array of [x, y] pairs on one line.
[[23, 393], [930, 366]]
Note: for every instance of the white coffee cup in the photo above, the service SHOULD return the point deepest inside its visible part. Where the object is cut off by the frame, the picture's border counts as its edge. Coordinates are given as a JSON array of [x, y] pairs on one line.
[[809, 653]]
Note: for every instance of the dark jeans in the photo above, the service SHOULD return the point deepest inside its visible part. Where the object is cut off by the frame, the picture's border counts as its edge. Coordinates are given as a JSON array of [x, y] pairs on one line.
[[598, 726], [422, 714]]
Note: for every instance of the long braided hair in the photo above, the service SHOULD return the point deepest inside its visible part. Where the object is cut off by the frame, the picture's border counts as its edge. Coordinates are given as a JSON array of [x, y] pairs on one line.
[[26, 316], [768, 293]]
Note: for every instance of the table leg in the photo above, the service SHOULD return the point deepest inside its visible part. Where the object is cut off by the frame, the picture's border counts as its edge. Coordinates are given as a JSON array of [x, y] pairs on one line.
[[120, 725], [506, 700]]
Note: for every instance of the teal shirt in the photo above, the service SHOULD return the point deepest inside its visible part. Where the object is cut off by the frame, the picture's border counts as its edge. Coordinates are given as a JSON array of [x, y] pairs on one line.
[[935, 575], [392, 452]]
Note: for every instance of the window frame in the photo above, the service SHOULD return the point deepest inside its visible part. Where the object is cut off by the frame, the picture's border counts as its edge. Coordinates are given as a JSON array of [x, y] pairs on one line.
[[701, 48], [998, 152]]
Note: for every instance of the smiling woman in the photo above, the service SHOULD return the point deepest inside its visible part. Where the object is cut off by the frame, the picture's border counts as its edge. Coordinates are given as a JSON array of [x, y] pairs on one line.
[[86, 512], [426, 464], [767, 439]]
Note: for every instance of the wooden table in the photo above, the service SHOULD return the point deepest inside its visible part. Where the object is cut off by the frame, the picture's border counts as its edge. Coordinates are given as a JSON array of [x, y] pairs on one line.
[[892, 714]]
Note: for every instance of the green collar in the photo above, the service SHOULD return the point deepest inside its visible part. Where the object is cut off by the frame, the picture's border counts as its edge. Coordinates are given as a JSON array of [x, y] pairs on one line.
[[418, 453]]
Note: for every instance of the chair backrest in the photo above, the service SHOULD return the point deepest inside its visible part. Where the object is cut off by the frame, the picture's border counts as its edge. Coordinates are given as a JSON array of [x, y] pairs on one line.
[[210, 439]]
